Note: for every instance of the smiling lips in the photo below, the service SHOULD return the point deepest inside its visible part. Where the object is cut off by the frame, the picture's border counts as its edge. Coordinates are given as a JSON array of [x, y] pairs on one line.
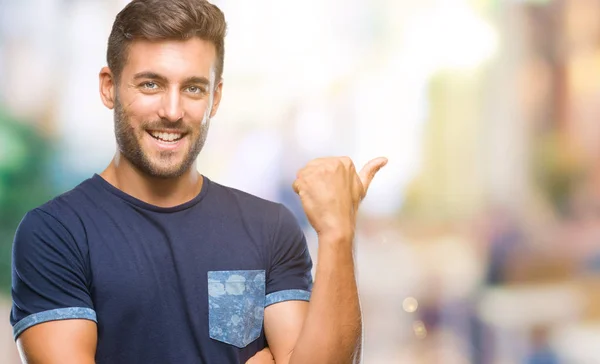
[[167, 137]]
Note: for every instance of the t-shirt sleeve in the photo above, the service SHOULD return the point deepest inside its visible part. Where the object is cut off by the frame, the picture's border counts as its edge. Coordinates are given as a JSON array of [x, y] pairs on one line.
[[290, 276], [48, 274]]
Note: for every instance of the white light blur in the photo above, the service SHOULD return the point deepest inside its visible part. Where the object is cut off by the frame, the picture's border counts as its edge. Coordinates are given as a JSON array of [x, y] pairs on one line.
[[449, 35]]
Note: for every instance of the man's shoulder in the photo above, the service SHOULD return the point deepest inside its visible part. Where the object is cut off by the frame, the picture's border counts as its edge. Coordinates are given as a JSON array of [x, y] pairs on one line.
[[272, 215], [66, 206], [271, 218], [56, 223], [245, 200]]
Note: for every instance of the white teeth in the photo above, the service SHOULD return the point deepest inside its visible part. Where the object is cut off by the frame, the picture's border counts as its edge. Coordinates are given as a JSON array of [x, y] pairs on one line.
[[169, 137]]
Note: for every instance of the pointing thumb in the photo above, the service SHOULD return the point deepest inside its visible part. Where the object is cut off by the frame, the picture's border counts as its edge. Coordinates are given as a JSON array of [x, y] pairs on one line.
[[367, 173]]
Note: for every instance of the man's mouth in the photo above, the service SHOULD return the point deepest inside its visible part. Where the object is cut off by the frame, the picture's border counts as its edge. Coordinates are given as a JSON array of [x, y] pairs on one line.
[[167, 137]]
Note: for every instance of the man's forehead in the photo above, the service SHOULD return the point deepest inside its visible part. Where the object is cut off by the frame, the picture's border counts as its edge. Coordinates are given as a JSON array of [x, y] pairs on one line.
[[172, 58]]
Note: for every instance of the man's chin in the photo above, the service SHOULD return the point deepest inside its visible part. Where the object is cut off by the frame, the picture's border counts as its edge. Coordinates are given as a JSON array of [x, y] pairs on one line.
[[165, 165], [166, 173], [160, 169]]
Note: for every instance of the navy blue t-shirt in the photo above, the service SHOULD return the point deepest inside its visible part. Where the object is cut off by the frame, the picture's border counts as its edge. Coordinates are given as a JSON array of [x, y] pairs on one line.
[[184, 284]]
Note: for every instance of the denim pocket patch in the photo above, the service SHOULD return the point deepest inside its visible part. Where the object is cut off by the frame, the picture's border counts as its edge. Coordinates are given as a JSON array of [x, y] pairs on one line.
[[236, 303]]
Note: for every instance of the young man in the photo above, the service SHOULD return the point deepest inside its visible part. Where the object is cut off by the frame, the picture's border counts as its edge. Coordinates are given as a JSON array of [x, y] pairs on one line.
[[150, 262]]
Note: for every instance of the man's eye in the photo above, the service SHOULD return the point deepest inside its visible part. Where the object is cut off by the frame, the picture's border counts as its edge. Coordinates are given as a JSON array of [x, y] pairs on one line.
[[149, 85], [195, 90]]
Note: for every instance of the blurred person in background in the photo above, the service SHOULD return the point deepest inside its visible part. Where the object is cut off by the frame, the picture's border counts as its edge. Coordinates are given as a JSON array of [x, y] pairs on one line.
[[151, 262]]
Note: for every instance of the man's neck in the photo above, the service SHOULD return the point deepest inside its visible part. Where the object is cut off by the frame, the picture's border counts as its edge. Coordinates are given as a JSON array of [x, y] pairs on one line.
[[162, 192]]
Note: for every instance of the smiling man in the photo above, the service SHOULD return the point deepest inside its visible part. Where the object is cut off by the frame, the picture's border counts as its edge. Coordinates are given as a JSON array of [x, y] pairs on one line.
[[151, 262]]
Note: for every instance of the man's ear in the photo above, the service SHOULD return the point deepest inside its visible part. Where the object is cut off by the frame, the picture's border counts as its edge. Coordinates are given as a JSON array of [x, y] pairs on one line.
[[218, 92], [107, 87]]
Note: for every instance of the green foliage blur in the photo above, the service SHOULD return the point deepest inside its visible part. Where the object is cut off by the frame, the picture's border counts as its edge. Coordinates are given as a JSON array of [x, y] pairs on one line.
[[25, 158]]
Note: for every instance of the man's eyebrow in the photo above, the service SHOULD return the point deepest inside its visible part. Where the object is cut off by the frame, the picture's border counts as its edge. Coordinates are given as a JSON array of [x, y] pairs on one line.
[[197, 80], [149, 75]]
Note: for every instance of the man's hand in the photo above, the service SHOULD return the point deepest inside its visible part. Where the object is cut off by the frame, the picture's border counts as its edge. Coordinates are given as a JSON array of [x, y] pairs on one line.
[[262, 357], [329, 328], [331, 190]]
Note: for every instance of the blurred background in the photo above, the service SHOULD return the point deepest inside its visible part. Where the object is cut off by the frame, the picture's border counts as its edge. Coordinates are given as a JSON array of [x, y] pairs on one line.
[[478, 243]]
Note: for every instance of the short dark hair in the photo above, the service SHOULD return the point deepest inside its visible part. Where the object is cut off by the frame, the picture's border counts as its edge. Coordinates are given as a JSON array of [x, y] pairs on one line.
[[166, 20]]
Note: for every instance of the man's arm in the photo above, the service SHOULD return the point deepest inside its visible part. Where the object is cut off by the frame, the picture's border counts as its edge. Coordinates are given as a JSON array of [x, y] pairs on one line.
[[52, 314], [328, 329], [283, 323], [59, 342]]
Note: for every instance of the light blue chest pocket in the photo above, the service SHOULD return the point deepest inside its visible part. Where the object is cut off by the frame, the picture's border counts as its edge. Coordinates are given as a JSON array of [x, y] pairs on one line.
[[236, 303]]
